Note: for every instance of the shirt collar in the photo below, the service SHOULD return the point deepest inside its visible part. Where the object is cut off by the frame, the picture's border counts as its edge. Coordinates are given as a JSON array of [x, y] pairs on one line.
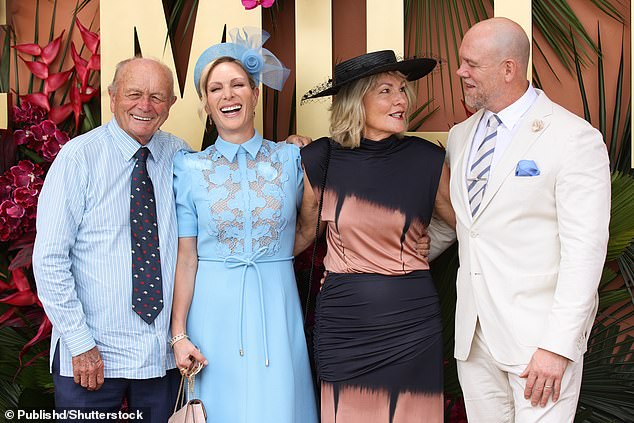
[[510, 115], [128, 146], [229, 149]]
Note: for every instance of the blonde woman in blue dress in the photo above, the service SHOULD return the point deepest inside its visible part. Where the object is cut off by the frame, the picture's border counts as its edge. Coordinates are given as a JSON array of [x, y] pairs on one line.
[[236, 307]]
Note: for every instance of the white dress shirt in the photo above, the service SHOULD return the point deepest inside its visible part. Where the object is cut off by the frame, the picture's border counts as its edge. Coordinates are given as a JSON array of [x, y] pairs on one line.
[[82, 255], [509, 117]]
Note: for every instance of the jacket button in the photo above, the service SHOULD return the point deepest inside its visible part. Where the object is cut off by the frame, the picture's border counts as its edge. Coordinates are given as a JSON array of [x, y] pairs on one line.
[[474, 234]]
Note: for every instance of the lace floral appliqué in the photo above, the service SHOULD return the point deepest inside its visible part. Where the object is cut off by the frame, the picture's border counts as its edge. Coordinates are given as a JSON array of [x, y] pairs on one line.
[[247, 201]]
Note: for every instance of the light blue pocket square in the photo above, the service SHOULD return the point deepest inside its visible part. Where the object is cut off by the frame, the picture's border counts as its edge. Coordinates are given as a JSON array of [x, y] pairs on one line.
[[526, 168]]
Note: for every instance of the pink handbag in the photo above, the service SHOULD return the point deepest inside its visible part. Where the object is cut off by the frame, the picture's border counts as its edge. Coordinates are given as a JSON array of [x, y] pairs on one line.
[[188, 410]]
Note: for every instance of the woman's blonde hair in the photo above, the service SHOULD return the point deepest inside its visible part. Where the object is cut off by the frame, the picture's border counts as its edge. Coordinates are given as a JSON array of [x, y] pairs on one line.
[[204, 76], [347, 119]]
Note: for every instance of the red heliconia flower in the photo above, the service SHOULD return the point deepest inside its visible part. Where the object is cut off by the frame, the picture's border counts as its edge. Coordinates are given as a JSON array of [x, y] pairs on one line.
[[91, 39], [32, 49], [75, 100], [59, 114], [38, 99], [38, 69], [88, 94], [75, 56], [95, 62], [252, 4], [43, 332], [20, 298], [49, 53], [7, 314], [81, 66], [56, 80], [19, 280]]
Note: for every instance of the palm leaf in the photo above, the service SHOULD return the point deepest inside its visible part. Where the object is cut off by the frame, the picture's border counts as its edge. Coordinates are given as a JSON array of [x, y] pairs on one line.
[[5, 58], [601, 81], [609, 9], [617, 111], [622, 216], [550, 18], [623, 161], [608, 384], [582, 88], [607, 390], [435, 28]]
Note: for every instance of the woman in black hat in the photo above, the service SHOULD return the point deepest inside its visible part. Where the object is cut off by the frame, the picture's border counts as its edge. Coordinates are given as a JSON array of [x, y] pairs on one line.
[[378, 342]]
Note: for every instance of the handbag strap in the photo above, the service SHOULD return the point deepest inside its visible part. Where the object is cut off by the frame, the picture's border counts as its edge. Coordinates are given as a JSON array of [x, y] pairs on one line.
[[180, 397], [314, 255], [184, 392]]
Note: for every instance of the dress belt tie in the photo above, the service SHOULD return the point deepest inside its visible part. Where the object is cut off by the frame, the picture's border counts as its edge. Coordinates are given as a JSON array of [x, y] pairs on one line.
[[234, 262]]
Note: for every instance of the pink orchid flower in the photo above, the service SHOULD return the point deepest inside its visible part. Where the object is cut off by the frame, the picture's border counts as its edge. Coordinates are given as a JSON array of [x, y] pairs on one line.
[[252, 4]]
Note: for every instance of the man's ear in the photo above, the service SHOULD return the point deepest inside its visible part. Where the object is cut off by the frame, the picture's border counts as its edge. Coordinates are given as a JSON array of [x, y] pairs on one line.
[[111, 93], [510, 69]]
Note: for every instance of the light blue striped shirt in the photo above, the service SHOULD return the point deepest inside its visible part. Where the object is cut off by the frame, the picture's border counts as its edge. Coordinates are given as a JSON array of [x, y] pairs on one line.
[[82, 256]]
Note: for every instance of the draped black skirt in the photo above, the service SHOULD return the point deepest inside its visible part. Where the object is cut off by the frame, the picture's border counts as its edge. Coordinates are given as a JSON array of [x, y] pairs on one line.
[[380, 332]]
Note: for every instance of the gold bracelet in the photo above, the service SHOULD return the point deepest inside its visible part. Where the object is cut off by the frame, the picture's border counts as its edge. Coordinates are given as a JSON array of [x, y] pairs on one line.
[[178, 337]]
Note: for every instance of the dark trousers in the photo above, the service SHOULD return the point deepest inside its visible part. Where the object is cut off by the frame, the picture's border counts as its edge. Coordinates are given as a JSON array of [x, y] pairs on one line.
[[149, 400]]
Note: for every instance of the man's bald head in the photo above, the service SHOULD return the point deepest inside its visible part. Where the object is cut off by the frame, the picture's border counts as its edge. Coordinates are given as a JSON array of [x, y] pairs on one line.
[[506, 39], [493, 64], [122, 66]]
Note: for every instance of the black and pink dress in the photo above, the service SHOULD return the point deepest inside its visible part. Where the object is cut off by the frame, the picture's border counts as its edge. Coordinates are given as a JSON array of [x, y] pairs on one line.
[[378, 342]]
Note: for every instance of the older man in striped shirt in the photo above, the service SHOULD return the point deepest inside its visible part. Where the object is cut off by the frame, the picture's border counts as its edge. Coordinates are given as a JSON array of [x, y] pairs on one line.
[[110, 339]]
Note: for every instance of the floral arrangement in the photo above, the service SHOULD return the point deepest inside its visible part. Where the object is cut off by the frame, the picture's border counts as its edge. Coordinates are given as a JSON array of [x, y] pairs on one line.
[[40, 124]]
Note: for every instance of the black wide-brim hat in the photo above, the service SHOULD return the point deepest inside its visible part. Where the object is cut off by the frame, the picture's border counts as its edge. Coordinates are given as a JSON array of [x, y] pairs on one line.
[[371, 64]]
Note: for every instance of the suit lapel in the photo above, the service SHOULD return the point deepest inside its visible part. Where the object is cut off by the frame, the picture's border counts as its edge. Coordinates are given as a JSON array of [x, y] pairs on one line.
[[529, 131], [461, 167]]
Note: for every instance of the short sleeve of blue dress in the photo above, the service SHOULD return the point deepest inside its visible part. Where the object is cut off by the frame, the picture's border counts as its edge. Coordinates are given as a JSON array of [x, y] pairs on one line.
[[185, 208], [300, 176]]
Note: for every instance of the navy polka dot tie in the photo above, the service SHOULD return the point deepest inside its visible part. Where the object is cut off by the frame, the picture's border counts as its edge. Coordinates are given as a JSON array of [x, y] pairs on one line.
[[147, 289]]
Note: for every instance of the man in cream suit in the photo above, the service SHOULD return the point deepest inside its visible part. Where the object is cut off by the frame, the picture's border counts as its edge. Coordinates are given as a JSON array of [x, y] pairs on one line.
[[532, 199]]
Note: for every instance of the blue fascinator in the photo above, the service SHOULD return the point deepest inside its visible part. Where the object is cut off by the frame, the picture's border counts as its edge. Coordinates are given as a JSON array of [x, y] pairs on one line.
[[246, 46]]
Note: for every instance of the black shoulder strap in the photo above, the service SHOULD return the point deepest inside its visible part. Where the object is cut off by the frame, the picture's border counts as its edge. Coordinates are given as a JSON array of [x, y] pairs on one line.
[[321, 203]]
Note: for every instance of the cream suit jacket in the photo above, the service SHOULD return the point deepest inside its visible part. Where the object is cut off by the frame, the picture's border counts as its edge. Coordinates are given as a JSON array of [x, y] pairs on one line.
[[532, 257]]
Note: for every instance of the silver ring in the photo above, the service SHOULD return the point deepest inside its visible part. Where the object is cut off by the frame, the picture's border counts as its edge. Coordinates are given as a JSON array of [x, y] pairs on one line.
[[547, 386]]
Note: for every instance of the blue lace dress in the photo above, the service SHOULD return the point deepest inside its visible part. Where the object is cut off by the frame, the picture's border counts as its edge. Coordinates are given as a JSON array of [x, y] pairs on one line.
[[241, 202]]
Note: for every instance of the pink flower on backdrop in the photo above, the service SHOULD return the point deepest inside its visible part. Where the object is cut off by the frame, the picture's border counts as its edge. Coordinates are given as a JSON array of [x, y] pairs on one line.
[[28, 114], [20, 187], [44, 138], [252, 4]]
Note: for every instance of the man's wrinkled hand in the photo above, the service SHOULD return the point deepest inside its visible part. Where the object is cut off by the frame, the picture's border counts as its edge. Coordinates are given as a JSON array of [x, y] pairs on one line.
[[423, 245], [88, 369], [299, 140], [543, 377]]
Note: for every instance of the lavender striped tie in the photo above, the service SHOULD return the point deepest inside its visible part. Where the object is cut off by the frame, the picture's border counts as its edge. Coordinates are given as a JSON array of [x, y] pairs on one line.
[[481, 167]]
